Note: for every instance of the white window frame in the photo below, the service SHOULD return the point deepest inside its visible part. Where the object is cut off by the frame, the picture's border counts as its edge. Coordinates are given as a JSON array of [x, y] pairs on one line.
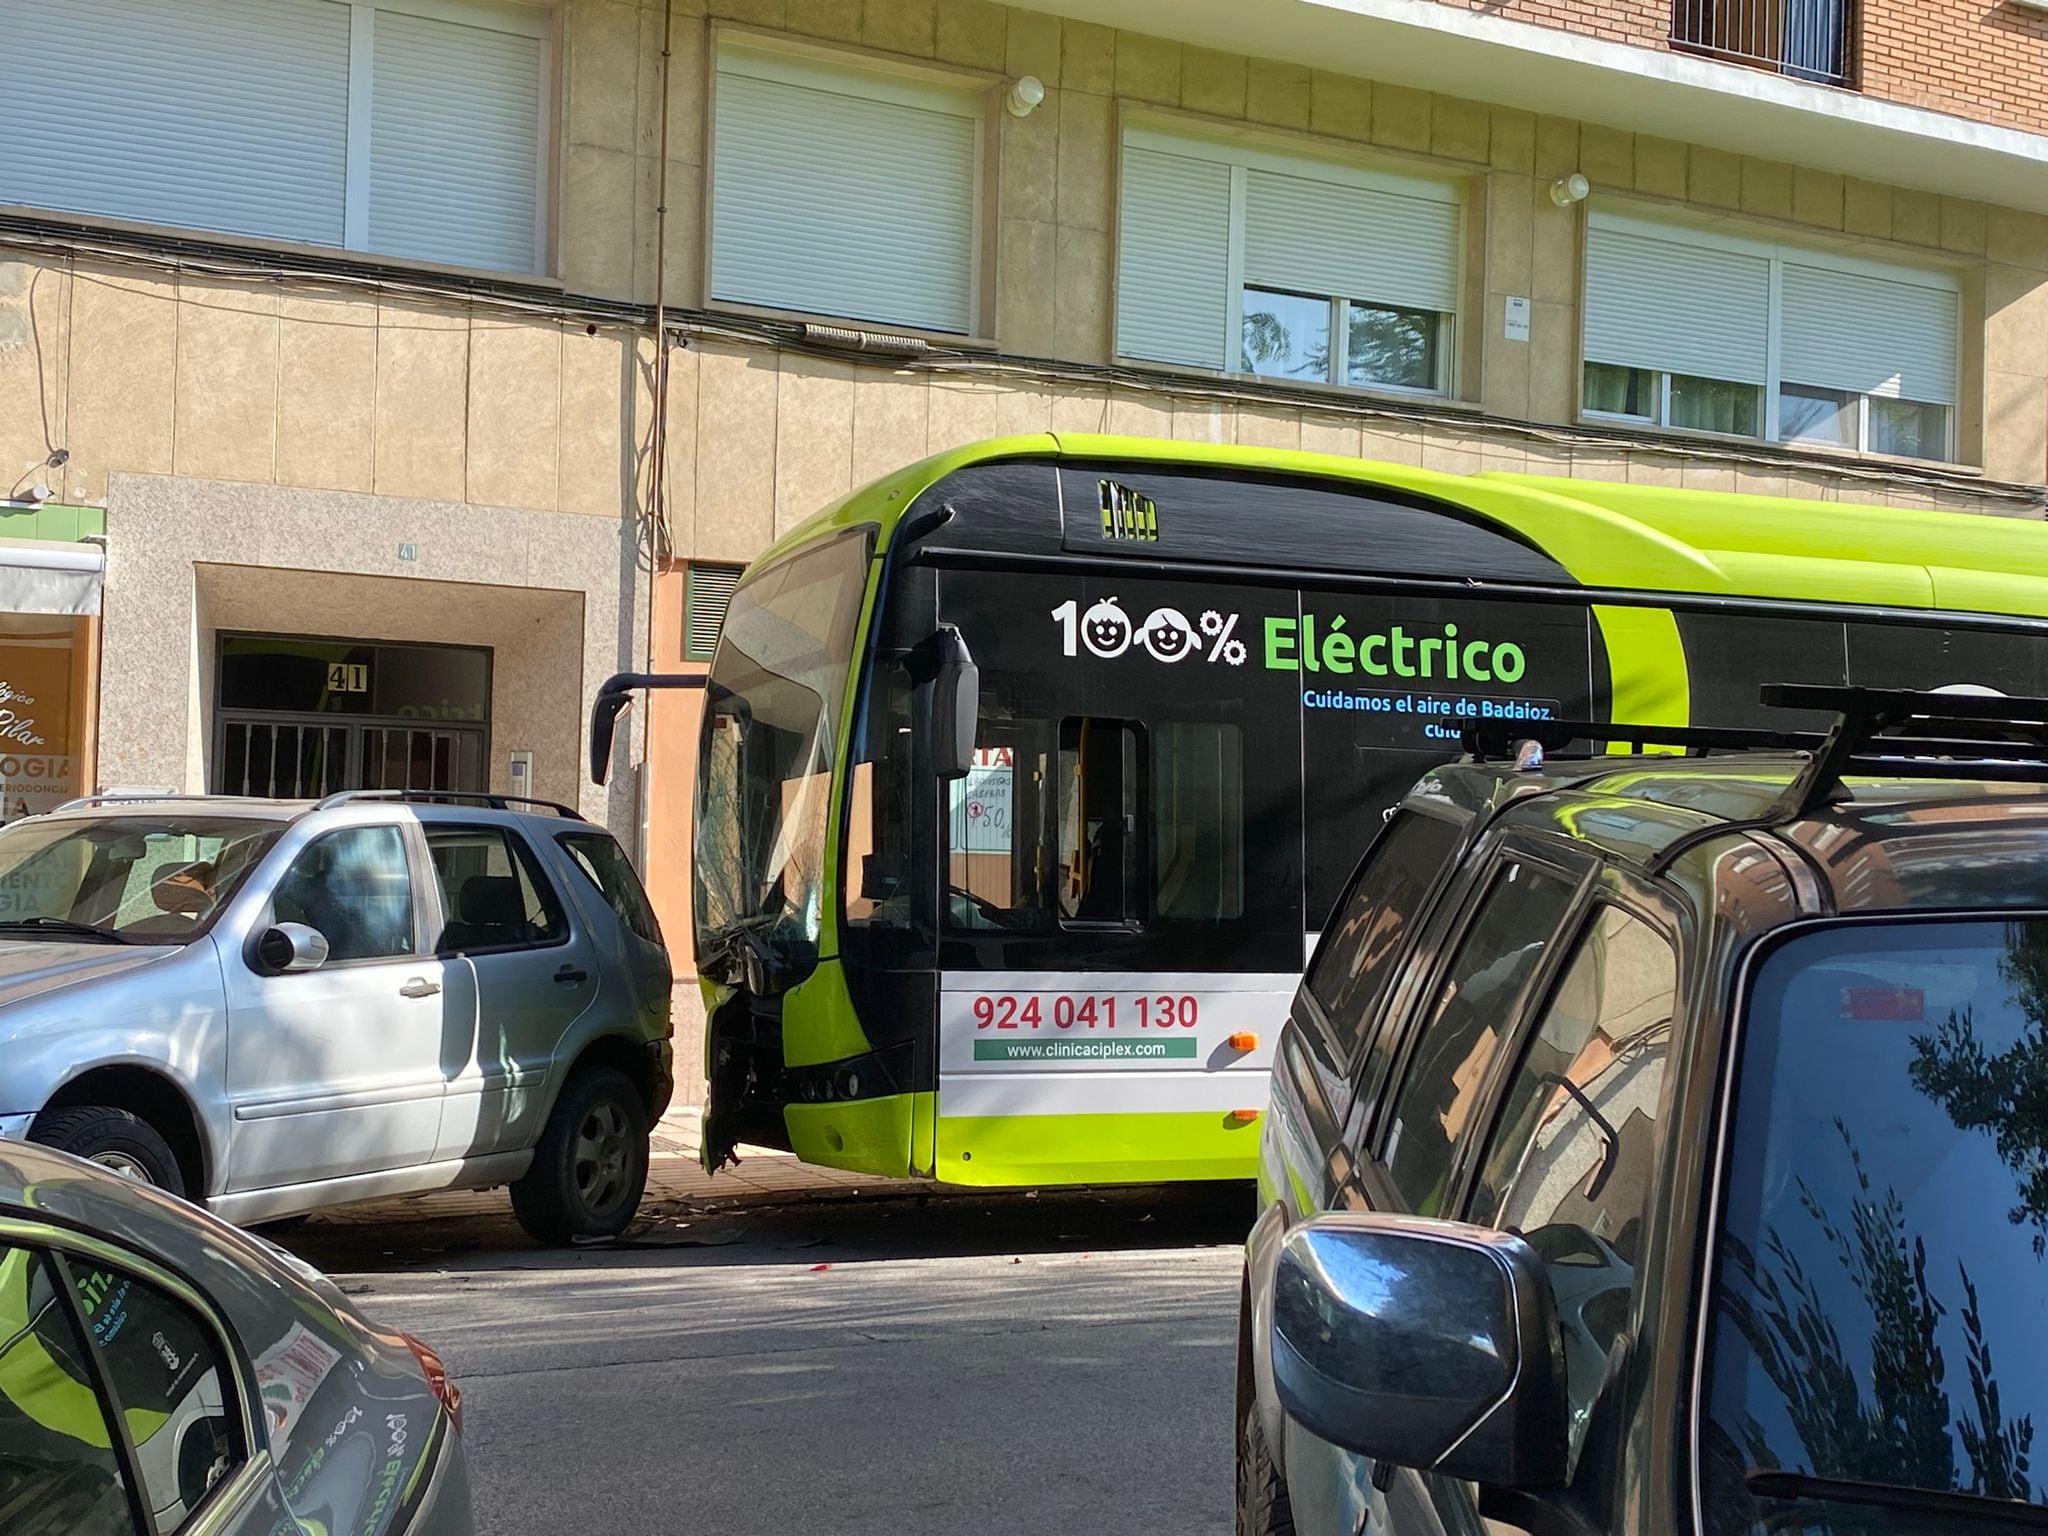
[[1778, 254], [887, 78], [1244, 153]]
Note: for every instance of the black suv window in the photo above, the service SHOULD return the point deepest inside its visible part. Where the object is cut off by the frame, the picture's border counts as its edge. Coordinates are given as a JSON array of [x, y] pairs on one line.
[[1882, 1264], [493, 894], [153, 1365], [168, 1375], [1523, 907], [1570, 1159], [1355, 962], [55, 1461]]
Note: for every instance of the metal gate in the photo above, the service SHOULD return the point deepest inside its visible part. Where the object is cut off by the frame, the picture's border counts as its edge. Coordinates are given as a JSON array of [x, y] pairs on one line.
[[304, 758]]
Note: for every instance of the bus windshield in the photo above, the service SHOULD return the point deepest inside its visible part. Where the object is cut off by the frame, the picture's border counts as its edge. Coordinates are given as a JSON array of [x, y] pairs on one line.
[[771, 733]]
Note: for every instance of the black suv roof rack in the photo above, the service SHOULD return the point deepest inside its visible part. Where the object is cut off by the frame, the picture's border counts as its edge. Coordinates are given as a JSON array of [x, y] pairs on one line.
[[1879, 732], [449, 797]]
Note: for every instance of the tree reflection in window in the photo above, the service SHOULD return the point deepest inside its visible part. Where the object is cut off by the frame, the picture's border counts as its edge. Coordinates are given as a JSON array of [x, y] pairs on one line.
[[1877, 1312], [2006, 1093], [1901, 1434]]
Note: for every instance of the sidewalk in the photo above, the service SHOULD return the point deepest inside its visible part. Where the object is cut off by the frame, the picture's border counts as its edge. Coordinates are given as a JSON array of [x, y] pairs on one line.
[[674, 1173], [676, 1184]]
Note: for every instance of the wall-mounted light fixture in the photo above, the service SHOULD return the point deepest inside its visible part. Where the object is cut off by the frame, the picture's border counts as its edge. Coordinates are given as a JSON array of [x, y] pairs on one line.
[[1567, 190], [1024, 95]]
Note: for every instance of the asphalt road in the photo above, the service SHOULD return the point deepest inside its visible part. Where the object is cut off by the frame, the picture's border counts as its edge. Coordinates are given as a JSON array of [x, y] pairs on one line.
[[1058, 1363]]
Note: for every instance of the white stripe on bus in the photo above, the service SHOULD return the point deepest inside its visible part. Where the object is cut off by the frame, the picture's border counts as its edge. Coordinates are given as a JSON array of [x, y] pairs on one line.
[[1101, 1093], [1120, 981]]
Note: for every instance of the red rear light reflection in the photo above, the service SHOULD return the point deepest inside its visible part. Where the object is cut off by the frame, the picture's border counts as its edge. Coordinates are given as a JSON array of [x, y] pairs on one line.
[[437, 1378], [1885, 1005]]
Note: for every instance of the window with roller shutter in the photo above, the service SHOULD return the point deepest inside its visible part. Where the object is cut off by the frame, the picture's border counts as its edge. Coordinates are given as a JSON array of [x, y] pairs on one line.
[[844, 191], [1244, 258], [1711, 332], [407, 128]]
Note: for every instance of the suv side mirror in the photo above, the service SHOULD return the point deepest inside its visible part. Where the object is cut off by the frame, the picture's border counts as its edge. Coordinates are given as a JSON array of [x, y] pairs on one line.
[[287, 947], [948, 712], [1423, 1344]]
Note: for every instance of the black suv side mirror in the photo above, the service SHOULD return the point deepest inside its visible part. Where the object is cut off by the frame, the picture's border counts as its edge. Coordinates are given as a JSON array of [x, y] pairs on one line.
[[1423, 1344]]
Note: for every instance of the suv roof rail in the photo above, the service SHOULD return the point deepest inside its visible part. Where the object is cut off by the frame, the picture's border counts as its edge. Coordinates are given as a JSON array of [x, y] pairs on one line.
[[1492, 740], [127, 797], [1881, 732], [1953, 736], [489, 801]]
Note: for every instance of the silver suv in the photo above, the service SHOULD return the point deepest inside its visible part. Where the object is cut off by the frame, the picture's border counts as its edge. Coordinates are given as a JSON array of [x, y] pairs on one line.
[[275, 1007]]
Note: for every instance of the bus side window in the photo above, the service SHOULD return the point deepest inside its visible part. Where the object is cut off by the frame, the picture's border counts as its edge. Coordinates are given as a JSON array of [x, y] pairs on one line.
[[1198, 820], [1101, 830]]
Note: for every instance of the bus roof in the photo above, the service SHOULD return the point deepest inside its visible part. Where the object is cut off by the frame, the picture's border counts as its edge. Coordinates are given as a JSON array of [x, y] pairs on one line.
[[1606, 535]]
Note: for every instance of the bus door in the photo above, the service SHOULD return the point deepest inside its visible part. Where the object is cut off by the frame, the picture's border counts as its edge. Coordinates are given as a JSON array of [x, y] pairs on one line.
[[1121, 925]]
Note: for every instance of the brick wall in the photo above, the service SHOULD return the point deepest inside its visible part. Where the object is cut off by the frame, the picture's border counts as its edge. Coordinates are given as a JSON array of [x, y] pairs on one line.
[[1963, 56], [1619, 21], [1981, 59]]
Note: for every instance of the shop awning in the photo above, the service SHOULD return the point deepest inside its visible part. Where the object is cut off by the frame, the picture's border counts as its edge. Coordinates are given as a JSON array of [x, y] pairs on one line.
[[38, 577]]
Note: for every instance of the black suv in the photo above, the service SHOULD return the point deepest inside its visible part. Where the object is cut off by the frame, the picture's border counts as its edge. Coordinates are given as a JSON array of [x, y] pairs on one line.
[[1660, 1143]]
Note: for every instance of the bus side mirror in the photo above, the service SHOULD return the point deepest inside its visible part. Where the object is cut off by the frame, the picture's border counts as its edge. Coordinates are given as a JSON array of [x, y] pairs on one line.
[[949, 713]]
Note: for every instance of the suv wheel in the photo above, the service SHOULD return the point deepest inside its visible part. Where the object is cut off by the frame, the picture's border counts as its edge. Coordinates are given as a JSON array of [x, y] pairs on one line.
[[1262, 1504], [118, 1141], [590, 1168]]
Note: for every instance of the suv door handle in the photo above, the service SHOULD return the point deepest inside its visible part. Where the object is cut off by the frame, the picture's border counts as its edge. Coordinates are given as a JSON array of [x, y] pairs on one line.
[[419, 986], [570, 976]]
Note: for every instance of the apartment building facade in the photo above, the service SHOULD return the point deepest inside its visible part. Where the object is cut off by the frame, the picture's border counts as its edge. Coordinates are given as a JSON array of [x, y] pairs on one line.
[[328, 328]]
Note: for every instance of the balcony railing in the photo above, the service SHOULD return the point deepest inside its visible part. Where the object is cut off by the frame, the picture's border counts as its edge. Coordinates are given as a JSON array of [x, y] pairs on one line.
[[1806, 39]]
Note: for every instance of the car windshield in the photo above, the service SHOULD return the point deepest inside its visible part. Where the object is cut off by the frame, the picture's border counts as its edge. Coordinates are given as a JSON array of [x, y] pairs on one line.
[[771, 734], [129, 878], [1882, 1263]]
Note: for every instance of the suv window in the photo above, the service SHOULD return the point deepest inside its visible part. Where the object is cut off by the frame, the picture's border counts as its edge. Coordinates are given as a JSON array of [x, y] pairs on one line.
[[493, 893], [604, 861], [1569, 1163], [354, 887], [57, 1472], [1501, 949], [167, 1375], [1355, 963], [1882, 1265]]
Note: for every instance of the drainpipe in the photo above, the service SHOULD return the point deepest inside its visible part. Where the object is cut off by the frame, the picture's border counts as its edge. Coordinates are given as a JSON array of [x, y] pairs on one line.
[[658, 456]]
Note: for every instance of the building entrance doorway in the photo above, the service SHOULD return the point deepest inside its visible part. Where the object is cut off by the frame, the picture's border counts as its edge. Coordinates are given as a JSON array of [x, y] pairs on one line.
[[301, 717]]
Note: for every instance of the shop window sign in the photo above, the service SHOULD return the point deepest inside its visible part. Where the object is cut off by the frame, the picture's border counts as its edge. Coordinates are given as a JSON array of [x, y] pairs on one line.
[[42, 711]]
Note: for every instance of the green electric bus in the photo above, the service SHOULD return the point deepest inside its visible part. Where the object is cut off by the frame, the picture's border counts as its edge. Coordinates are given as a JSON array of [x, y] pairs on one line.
[[1029, 773]]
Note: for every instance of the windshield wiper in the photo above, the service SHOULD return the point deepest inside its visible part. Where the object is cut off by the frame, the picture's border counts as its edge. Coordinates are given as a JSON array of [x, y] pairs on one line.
[[64, 926], [1768, 1484]]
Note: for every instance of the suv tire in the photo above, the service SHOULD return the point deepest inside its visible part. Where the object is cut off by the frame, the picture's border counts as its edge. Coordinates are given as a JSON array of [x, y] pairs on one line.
[[118, 1141], [1263, 1508], [590, 1168]]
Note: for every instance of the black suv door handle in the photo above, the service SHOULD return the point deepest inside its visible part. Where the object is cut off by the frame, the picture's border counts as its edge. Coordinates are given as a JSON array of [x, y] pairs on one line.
[[570, 976]]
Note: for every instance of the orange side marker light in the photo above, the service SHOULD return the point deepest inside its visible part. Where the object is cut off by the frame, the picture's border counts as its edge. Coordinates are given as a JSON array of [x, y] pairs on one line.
[[1243, 1116], [1244, 1040]]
